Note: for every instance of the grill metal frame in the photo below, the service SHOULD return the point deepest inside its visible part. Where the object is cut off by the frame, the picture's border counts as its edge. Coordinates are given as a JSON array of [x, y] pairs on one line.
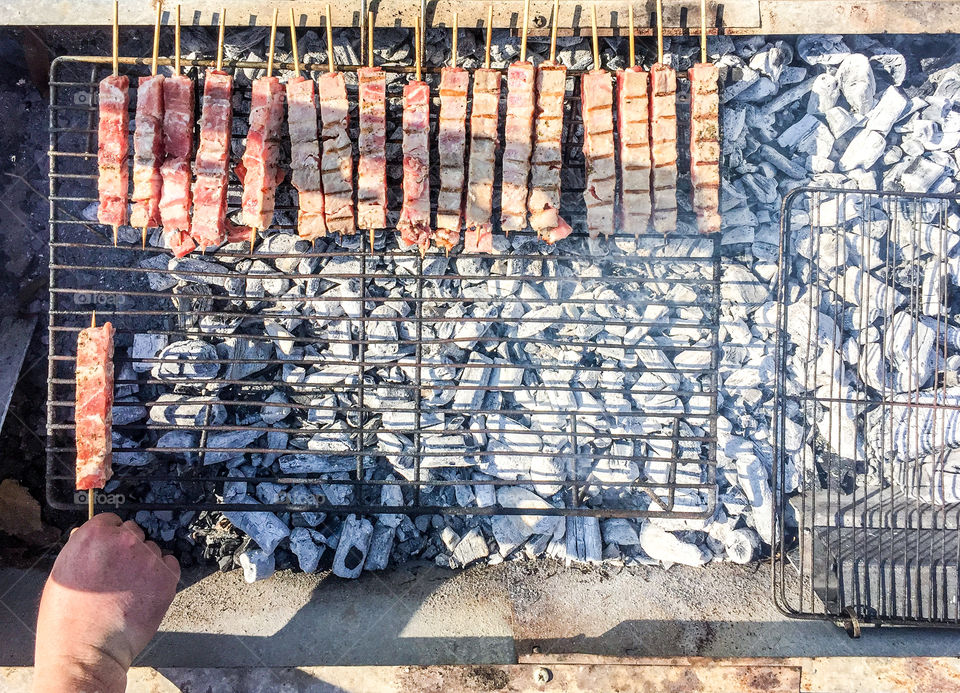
[[83, 263], [865, 548]]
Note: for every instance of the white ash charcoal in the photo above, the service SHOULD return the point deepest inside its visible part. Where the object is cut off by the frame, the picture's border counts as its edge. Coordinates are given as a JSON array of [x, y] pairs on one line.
[[331, 374], [922, 174], [269, 493], [134, 458], [257, 565], [863, 151], [146, 346], [583, 540], [668, 548], [323, 410], [272, 414], [511, 531], [934, 288], [855, 285], [282, 337], [264, 528], [486, 493], [449, 538], [306, 548], [243, 349], [857, 83], [742, 545], [301, 496], [684, 501], [888, 110], [798, 132], [824, 93], [471, 548], [473, 381], [276, 440], [908, 432], [619, 531], [179, 410], [822, 49], [228, 439], [772, 59], [841, 121], [353, 544], [381, 544], [754, 480], [182, 440], [443, 451], [338, 333], [127, 410], [536, 321], [740, 286], [336, 494], [331, 440], [391, 495], [911, 345], [307, 463], [197, 271], [160, 280]]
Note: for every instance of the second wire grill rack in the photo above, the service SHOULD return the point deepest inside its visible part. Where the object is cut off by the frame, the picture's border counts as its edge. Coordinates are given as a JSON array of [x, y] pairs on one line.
[[614, 395]]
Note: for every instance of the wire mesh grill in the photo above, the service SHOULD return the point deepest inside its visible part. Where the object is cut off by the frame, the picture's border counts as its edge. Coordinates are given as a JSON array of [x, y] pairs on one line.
[[867, 407], [586, 372]]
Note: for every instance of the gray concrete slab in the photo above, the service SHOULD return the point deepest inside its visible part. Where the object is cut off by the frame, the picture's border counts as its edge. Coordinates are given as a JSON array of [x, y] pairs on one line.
[[513, 612]]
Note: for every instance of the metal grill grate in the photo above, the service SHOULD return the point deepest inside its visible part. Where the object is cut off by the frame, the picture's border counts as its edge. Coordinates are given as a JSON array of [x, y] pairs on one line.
[[590, 367], [867, 408]]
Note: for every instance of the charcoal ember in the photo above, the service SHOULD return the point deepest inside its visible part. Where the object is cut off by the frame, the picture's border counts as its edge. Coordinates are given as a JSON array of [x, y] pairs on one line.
[[381, 546], [668, 547], [257, 565], [308, 546], [181, 410], [857, 82], [352, 547], [821, 49], [187, 360]]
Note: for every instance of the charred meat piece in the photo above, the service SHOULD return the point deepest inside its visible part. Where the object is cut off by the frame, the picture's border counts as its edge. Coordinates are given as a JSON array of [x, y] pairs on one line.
[[148, 153], [212, 161], [372, 169], [259, 164], [454, 82], [663, 146], [634, 133], [543, 203], [336, 162], [414, 223], [94, 406], [478, 237], [175, 197], [597, 102], [305, 157], [113, 150], [705, 145]]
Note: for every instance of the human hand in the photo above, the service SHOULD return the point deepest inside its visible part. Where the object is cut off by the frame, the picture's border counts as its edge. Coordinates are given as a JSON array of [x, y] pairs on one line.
[[105, 597]]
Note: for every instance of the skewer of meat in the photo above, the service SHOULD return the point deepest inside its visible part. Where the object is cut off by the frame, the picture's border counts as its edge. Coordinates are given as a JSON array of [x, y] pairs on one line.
[[260, 174], [372, 169], [336, 162], [414, 223], [148, 146], [478, 234], [633, 129], [596, 96], [112, 146], [93, 413], [543, 204], [705, 136], [213, 155], [663, 137], [175, 197], [304, 148], [518, 137], [454, 82]]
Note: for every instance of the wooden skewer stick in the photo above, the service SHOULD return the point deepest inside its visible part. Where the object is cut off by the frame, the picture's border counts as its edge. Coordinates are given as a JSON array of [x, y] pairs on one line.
[[273, 43], [417, 46], [333, 68], [523, 32], [486, 59], [176, 45], [703, 31], [633, 52], [453, 57], [153, 71], [660, 31], [116, 38], [293, 41], [596, 43], [553, 31], [223, 15], [91, 493], [373, 232]]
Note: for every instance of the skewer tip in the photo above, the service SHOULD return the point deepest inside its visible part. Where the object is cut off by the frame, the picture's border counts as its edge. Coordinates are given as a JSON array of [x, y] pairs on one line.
[[91, 494]]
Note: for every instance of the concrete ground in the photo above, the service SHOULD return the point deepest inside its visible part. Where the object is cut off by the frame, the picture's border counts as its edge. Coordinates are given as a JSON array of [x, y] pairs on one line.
[[516, 612]]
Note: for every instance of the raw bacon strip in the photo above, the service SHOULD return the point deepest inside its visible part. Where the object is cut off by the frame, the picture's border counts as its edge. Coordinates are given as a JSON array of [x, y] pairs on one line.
[[305, 157], [414, 223], [336, 164], [148, 153], [260, 173], [547, 161], [478, 237], [663, 142], [94, 406], [518, 144], [175, 197], [705, 145], [212, 162], [597, 103], [113, 150], [372, 170], [454, 82], [634, 132]]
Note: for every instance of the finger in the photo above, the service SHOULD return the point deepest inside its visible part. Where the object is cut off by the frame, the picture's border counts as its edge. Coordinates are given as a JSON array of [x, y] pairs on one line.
[[172, 565], [153, 548], [133, 528]]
